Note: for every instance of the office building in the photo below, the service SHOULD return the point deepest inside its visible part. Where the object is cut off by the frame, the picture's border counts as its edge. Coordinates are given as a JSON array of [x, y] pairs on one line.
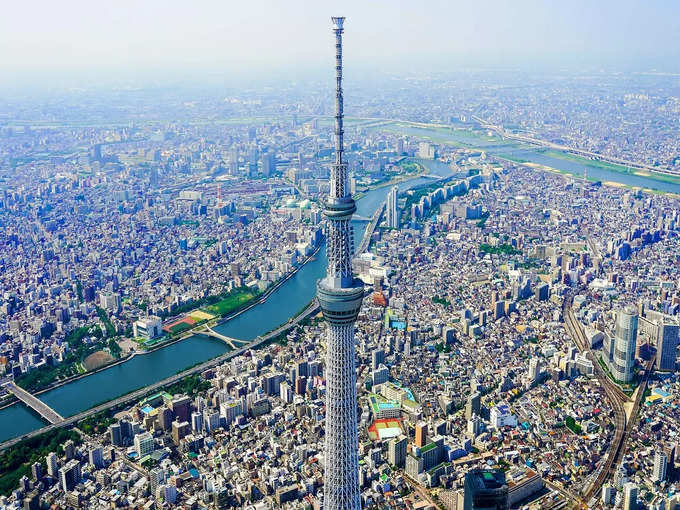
[[625, 338], [180, 430], [667, 346], [608, 495], [340, 296], [181, 408], [485, 489], [392, 210], [110, 301], [377, 358]]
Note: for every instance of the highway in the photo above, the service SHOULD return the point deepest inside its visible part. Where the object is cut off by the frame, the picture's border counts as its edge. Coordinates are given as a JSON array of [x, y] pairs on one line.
[[311, 309], [34, 403]]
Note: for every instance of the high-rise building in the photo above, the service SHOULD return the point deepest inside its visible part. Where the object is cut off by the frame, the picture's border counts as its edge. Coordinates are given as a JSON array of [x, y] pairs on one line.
[[96, 457], [473, 405], [624, 345], [157, 477], [52, 468], [485, 489], [116, 434], [70, 475], [667, 346], [144, 444], [534, 369], [180, 430], [196, 421], [630, 492], [421, 434], [268, 163], [36, 471], [396, 451], [608, 494], [660, 466], [377, 358], [340, 296], [69, 449], [392, 211]]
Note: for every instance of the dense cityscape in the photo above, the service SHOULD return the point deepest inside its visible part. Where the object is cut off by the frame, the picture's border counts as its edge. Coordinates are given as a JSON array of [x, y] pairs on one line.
[[458, 290]]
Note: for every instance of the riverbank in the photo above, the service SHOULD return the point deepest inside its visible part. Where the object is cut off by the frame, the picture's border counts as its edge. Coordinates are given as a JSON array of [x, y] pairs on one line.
[[257, 300], [146, 371], [655, 176]]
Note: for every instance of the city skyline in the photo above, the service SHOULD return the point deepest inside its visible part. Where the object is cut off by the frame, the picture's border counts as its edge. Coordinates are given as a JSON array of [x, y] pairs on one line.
[[374, 280], [170, 40]]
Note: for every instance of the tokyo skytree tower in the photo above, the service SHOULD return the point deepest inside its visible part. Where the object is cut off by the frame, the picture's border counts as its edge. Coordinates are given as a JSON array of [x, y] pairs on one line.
[[340, 296]]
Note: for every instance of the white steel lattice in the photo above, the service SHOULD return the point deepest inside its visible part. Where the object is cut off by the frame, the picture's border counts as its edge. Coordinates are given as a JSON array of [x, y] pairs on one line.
[[341, 487], [340, 250], [340, 302]]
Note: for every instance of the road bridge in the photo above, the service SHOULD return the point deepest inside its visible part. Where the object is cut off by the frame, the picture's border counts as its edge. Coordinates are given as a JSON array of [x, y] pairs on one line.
[[311, 309], [370, 229], [34, 403], [208, 331]]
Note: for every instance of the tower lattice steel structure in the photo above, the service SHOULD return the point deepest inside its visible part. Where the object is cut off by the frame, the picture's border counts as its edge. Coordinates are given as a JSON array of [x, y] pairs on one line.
[[340, 296]]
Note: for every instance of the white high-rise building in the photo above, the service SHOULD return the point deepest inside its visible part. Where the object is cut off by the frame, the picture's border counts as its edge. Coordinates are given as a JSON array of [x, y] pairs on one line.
[[392, 210], [660, 467], [52, 468], [143, 444], [608, 495], [534, 369], [625, 337], [630, 492]]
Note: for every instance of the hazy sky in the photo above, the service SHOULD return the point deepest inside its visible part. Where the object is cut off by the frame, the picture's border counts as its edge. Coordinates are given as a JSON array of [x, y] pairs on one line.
[[255, 36]]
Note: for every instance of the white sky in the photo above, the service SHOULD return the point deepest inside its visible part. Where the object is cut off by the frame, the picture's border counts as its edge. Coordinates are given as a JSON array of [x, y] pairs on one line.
[[258, 35]]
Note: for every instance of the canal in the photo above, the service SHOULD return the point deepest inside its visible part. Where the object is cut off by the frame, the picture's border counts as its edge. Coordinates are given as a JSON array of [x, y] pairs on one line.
[[146, 369]]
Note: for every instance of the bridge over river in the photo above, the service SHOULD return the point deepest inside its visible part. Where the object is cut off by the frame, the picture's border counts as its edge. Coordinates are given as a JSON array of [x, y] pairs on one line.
[[34, 403]]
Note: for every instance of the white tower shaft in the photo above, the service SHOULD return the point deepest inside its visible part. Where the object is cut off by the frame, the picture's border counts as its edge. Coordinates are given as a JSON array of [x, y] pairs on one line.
[[340, 297]]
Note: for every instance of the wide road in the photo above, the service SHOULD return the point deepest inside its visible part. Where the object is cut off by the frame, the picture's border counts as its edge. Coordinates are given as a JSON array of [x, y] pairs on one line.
[[311, 309], [34, 403]]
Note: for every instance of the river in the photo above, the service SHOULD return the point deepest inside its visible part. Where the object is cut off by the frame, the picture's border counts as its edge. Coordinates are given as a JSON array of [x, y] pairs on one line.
[[146, 369], [285, 302], [514, 150]]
